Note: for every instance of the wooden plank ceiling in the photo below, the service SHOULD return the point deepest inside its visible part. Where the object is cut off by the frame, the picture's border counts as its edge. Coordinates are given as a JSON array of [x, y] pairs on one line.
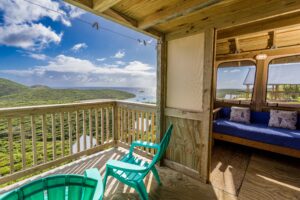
[[176, 18]]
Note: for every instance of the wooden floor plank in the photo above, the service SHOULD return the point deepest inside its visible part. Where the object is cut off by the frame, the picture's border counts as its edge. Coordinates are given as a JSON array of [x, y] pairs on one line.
[[228, 167], [271, 176], [260, 176]]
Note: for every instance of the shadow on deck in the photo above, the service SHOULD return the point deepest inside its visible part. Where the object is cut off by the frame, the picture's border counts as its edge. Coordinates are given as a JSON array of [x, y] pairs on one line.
[[175, 185], [236, 173]]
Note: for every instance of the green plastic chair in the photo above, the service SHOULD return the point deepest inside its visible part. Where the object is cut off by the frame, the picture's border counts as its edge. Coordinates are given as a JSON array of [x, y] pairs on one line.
[[131, 171], [61, 187]]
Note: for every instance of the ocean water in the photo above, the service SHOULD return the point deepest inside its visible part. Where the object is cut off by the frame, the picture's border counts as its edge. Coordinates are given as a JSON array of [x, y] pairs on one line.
[[142, 95]]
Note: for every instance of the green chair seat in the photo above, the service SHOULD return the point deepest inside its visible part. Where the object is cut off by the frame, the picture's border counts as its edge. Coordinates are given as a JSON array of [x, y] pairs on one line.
[[132, 170], [61, 187]]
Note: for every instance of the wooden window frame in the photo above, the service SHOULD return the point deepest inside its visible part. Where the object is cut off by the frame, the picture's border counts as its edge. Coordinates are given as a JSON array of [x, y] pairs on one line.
[[234, 102], [277, 104]]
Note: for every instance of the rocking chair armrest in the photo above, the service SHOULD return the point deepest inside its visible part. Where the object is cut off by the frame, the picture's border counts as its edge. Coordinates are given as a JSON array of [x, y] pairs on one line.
[[120, 165], [94, 174]]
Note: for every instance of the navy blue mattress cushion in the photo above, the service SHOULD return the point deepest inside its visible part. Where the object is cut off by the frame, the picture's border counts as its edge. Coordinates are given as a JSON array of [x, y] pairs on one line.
[[259, 132], [256, 117]]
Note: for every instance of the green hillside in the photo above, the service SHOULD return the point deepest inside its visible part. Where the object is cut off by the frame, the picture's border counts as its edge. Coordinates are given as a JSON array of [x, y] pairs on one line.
[[8, 87], [14, 94]]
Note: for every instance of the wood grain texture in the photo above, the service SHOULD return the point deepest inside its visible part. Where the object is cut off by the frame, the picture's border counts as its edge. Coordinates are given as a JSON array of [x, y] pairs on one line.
[[228, 167], [272, 178], [185, 145]]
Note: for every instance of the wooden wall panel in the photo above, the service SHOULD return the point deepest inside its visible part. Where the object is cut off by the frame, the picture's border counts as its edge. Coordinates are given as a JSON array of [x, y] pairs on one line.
[[185, 73], [189, 150], [185, 143]]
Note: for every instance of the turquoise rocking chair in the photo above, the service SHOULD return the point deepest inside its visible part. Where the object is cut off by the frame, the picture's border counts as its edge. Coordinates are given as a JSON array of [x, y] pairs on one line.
[[131, 171], [61, 187]]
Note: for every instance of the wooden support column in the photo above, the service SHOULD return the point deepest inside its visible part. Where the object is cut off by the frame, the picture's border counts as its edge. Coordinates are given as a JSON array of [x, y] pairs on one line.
[[208, 74], [259, 94], [161, 87]]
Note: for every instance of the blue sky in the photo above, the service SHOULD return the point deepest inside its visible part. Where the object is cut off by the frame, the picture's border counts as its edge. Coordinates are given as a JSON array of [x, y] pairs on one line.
[[43, 47], [232, 77]]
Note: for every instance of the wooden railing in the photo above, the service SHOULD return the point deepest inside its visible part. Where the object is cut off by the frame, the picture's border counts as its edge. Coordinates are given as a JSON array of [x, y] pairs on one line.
[[33, 139], [136, 122]]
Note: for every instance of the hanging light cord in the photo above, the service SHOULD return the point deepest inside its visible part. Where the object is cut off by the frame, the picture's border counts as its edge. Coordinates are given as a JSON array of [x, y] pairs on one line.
[[94, 25]]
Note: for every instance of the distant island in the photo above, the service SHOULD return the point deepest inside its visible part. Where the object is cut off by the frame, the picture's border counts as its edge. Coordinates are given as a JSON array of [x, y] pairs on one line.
[[15, 94]]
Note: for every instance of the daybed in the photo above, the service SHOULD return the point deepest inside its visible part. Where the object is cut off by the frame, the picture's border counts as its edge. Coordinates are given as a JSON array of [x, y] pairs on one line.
[[257, 134]]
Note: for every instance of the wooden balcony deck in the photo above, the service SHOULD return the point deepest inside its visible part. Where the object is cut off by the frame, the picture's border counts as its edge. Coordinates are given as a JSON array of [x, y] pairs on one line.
[[236, 173]]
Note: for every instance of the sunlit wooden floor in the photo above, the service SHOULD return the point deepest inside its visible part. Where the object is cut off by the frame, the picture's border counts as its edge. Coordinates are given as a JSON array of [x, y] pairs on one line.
[[236, 173]]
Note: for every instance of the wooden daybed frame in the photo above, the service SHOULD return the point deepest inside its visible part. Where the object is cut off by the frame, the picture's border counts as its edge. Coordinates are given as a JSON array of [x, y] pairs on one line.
[[258, 145]]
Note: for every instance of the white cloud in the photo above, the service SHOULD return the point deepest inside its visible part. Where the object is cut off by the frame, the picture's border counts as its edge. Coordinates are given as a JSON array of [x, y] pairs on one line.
[[136, 66], [20, 11], [79, 46], [37, 56], [101, 59], [119, 62], [119, 54], [28, 36], [21, 27], [74, 71]]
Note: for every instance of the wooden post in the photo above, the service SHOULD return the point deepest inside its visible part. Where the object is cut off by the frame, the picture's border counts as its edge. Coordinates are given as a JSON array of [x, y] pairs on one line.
[[70, 132], [84, 129], [45, 133], [208, 73], [33, 131], [102, 126], [62, 134], [10, 145], [23, 148], [53, 136], [97, 126], [161, 87], [91, 128], [261, 79], [77, 132]]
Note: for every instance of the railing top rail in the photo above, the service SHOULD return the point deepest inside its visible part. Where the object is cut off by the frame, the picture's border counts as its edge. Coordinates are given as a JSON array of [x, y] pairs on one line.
[[43, 109], [137, 106], [56, 108]]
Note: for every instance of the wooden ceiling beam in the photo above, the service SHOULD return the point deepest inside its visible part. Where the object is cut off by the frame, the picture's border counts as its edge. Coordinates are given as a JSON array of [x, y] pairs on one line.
[[120, 17], [115, 16], [102, 5], [180, 9], [288, 20], [225, 16]]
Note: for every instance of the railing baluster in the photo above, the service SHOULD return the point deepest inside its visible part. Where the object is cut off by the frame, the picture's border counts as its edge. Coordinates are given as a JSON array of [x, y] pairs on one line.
[[133, 126], [142, 128], [33, 131], [44, 133], [77, 132], [147, 130], [113, 120], [70, 132], [138, 124], [53, 136], [152, 130], [102, 126], [10, 145], [125, 126], [107, 125], [121, 124], [62, 132], [84, 129], [128, 128], [22, 133], [97, 126], [91, 128]]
